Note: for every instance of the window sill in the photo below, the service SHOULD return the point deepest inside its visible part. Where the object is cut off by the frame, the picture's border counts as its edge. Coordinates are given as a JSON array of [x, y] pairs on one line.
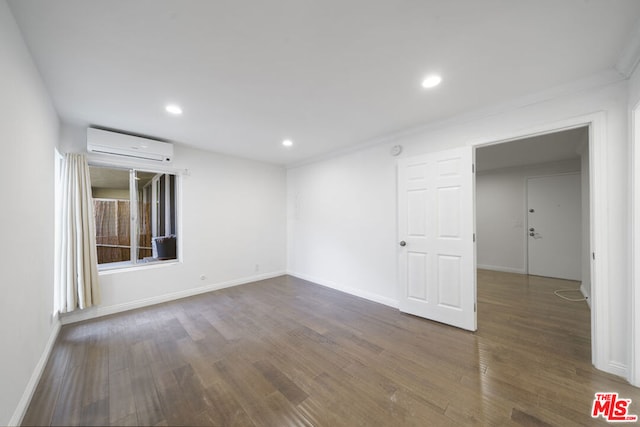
[[126, 266]]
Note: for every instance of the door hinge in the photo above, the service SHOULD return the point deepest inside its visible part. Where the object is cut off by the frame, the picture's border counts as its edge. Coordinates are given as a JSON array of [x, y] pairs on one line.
[[474, 237], [475, 308], [473, 168], [593, 255]]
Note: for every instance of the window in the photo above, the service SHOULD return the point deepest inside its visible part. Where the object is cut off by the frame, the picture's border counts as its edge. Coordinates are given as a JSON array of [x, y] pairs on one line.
[[135, 216]]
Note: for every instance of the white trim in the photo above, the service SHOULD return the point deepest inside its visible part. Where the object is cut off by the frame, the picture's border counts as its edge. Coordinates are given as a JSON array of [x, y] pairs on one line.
[[599, 232], [617, 368], [134, 218], [600, 320], [127, 266], [27, 395], [105, 160], [347, 289], [501, 268], [94, 312]]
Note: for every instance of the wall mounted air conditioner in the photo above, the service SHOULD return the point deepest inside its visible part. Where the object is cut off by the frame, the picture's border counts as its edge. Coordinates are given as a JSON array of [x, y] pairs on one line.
[[118, 144]]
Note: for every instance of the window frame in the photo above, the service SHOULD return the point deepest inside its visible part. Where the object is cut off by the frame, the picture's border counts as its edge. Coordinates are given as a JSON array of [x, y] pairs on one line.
[[132, 168]]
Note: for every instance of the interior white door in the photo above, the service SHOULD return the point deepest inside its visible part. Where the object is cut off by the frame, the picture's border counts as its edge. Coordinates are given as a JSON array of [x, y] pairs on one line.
[[554, 226], [435, 225]]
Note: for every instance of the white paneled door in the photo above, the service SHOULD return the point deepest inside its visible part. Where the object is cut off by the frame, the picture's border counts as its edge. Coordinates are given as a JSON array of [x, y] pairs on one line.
[[437, 277]]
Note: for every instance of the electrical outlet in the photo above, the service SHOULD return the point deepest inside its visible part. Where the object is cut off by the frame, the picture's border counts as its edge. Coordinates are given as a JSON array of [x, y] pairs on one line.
[[257, 267]]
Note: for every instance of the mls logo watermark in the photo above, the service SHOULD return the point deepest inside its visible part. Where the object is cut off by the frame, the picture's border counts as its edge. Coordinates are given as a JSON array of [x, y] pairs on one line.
[[612, 408]]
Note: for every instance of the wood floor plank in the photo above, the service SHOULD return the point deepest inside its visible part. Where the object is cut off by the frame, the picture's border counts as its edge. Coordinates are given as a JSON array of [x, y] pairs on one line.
[[250, 389], [45, 398], [121, 404], [145, 395], [96, 374], [281, 382], [95, 413], [284, 351], [225, 409], [173, 407], [220, 325], [525, 419], [69, 403]]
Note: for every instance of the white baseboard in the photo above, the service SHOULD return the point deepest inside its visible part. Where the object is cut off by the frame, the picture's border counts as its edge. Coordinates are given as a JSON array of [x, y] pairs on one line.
[[586, 295], [27, 395], [617, 368], [502, 269], [94, 312], [347, 289]]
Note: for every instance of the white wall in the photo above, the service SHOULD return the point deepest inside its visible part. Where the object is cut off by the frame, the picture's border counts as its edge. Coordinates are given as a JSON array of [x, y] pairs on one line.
[[233, 217], [352, 243], [28, 134], [501, 201], [342, 227]]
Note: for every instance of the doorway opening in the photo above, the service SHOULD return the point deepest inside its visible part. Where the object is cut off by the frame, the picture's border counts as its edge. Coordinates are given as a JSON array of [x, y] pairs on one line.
[[533, 226]]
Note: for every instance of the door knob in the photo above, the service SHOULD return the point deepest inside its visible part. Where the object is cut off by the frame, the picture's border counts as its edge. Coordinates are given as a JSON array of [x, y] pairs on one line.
[[532, 234], [532, 229], [403, 243]]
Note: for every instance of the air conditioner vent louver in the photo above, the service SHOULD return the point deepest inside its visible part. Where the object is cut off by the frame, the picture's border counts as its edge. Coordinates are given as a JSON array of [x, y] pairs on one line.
[[122, 145]]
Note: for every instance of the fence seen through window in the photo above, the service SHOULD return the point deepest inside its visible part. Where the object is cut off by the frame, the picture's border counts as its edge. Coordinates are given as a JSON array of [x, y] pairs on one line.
[[135, 216]]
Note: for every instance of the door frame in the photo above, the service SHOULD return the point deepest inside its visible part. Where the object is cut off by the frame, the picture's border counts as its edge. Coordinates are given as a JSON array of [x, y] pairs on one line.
[[599, 227], [634, 375]]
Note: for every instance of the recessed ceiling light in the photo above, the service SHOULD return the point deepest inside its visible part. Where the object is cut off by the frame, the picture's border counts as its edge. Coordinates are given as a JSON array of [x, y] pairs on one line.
[[431, 81], [173, 109], [287, 143]]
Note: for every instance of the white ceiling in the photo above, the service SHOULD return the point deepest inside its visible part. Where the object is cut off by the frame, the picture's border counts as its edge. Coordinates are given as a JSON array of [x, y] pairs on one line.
[[546, 148], [328, 74]]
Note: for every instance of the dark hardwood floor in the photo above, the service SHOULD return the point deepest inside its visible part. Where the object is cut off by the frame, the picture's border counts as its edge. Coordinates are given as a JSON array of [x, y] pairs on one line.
[[287, 352]]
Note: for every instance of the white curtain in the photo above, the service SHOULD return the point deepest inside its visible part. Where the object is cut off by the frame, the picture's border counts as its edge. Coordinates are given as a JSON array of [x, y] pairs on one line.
[[78, 281]]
